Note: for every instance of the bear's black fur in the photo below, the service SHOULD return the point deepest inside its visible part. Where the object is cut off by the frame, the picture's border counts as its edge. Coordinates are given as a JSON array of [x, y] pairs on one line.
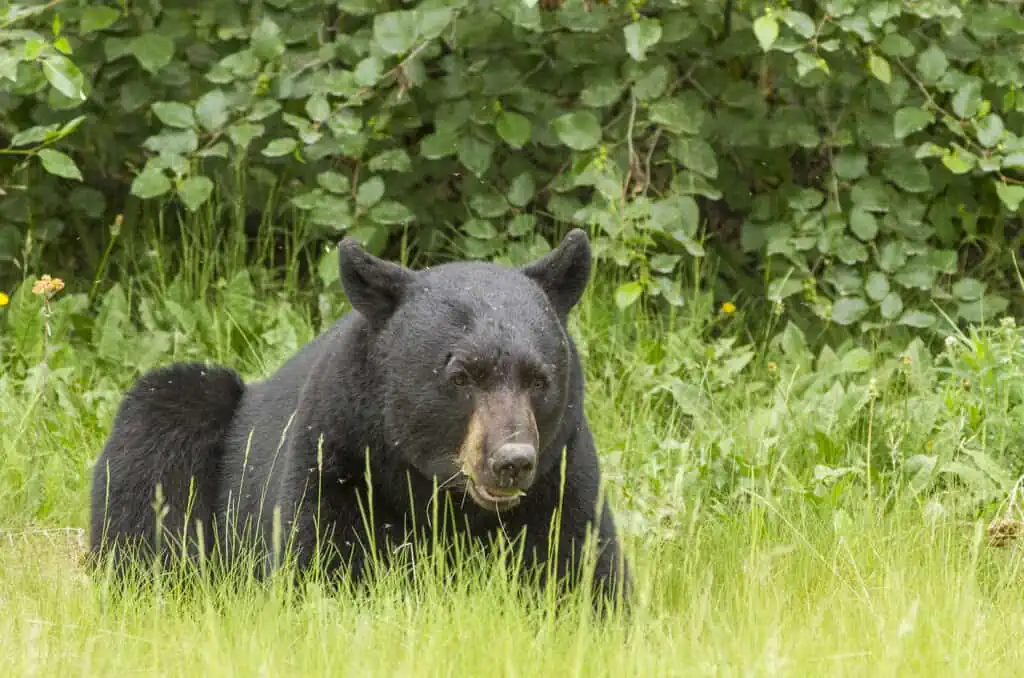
[[462, 376]]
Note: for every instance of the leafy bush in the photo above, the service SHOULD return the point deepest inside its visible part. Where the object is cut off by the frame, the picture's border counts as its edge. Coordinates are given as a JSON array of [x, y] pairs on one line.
[[682, 417], [857, 159]]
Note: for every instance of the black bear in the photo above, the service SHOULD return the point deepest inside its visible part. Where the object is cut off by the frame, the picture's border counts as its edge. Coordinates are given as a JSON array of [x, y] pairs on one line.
[[457, 380]]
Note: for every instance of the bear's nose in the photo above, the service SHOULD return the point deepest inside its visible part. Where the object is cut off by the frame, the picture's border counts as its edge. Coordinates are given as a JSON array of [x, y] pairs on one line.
[[513, 464]]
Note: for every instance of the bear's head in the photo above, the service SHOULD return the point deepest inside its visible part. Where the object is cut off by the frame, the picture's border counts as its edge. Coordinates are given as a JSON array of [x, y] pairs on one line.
[[471, 364]]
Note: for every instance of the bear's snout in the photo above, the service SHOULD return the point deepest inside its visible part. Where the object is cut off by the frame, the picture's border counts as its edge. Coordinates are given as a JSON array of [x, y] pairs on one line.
[[499, 454], [513, 465]]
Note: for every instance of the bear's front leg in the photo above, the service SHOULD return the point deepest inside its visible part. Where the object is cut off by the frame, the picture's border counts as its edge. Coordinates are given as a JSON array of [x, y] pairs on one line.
[[579, 516], [335, 529]]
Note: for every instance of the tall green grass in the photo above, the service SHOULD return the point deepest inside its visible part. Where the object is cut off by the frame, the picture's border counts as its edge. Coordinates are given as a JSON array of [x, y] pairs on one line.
[[789, 509]]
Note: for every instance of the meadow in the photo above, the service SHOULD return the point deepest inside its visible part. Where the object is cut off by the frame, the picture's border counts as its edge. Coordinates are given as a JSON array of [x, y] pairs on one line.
[[791, 505]]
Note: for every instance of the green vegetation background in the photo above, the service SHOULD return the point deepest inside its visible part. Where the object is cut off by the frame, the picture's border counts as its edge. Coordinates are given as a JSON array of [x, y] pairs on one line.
[[804, 372]]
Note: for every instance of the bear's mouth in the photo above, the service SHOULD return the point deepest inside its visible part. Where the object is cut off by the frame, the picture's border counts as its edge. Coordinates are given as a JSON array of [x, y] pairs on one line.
[[492, 498]]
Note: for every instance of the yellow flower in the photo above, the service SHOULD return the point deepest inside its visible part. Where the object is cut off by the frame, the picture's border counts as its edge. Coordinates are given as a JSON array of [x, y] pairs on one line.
[[4, 300], [47, 285], [728, 307]]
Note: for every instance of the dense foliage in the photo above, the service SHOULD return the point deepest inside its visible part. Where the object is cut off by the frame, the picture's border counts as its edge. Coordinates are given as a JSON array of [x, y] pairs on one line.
[[857, 159]]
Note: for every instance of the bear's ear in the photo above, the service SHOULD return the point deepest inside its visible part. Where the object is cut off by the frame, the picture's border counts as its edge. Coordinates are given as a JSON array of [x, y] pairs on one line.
[[564, 272], [373, 286]]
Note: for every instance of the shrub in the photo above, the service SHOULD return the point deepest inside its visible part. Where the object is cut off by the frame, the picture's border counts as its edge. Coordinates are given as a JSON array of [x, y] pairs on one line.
[[854, 159]]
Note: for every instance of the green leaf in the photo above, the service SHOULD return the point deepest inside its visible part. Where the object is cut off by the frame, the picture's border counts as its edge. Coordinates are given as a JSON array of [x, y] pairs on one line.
[[391, 212], [990, 130], [919, 319], [696, 154], [640, 36], [1014, 160], [59, 164], [849, 250], [195, 191], [430, 23], [869, 194], [806, 199], [863, 224], [489, 204], [174, 114], [932, 63], [33, 135], [664, 263], [368, 71], [880, 68], [1010, 194], [601, 88], [856, 360], [982, 309], [896, 45], [892, 257], [929, 149], [394, 160], [96, 19], [150, 183], [521, 225], [968, 289], [909, 174], [439, 145], [680, 115], [766, 30], [579, 131], [481, 229], [626, 294], [395, 32], [370, 192], [328, 268], [280, 147], [967, 99], [152, 50], [475, 154], [848, 310], [805, 63], [514, 129], [958, 161], [317, 107], [334, 182], [173, 142], [917, 274], [652, 84], [521, 190], [877, 286], [802, 24], [64, 76], [243, 133], [218, 150], [850, 164], [909, 120], [694, 248], [212, 109], [688, 182], [670, 289], [891, 306], [267, 44], [676, 214]]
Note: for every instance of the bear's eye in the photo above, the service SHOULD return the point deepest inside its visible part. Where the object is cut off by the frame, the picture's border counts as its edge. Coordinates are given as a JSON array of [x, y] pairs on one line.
[[539, 383], [456, 372]]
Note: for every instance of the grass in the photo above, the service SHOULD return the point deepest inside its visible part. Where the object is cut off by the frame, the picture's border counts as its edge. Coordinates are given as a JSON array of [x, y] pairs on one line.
[[788, 510], [763, 593]]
